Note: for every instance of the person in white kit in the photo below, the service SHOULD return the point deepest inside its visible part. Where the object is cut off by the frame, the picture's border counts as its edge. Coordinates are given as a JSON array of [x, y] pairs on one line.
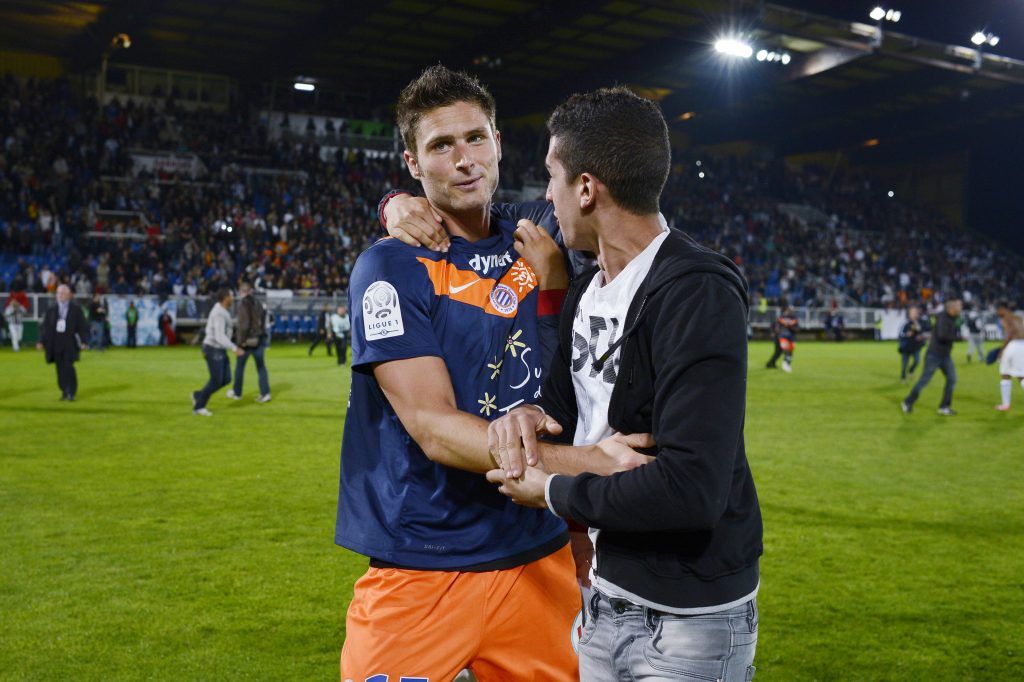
[[216, 345], [653, 342], [1011, 355], [340, 327]]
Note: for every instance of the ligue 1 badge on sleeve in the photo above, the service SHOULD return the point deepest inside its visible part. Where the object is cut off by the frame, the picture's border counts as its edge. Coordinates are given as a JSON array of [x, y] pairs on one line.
[[382, 312]]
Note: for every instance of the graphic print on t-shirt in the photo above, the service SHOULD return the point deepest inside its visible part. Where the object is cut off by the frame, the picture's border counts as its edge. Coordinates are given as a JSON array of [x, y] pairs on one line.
[[602, 332]]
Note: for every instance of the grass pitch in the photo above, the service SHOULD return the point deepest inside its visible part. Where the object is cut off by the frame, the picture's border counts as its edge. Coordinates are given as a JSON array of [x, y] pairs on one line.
[[142, 543]]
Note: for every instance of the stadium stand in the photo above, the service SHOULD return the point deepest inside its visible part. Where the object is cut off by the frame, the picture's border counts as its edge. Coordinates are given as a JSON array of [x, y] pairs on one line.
[[285, 213]]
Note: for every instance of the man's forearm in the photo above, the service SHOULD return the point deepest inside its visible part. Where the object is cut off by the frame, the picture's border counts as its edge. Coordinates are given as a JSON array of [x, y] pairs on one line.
[[453, 438], [571, 460]]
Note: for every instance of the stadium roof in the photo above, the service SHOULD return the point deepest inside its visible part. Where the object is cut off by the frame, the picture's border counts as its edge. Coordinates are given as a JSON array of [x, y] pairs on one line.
[[840, 88]]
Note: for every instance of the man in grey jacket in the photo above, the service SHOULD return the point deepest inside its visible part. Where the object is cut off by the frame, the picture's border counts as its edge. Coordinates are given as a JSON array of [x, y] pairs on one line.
[[216, 345]]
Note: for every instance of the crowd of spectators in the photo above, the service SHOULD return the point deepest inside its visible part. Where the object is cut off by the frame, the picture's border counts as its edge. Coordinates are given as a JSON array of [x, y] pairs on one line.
[[806, 239], [289, 214]]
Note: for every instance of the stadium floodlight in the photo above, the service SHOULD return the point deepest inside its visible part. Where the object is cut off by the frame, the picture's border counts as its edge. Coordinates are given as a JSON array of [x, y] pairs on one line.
[[773, 57], [734, 47], [880, 13], [305, 87], [981, 38], [701, 175], [891, 194]]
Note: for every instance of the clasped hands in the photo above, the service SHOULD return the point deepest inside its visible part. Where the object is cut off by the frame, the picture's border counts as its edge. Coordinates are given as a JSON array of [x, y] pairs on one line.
[[521, 472]]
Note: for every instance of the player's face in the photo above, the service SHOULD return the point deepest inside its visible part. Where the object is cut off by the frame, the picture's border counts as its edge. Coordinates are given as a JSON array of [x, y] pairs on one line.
[[457, 155], [563, 192]]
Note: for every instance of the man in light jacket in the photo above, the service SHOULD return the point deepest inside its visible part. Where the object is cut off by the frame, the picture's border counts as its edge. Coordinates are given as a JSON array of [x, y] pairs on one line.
[[216, 345]]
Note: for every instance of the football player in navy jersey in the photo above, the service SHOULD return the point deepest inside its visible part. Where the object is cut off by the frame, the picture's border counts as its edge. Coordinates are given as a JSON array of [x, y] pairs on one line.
[[442, 343]]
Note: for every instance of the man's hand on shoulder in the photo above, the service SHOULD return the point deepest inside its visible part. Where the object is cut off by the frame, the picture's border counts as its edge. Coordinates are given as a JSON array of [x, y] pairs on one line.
[[412, 221], [543, 255]]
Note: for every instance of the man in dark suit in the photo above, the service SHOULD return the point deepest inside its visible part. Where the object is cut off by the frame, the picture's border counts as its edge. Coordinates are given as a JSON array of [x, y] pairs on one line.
[[63, 332]]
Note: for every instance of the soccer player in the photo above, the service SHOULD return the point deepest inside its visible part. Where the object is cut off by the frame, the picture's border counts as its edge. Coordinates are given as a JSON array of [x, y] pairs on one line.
[[785, 339], [938, 356], [443, 342], [911, 340], [1011, 355], [655, 340]]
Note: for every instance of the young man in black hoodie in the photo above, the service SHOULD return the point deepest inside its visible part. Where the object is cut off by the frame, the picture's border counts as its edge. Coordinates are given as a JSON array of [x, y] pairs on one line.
[[652, 342]]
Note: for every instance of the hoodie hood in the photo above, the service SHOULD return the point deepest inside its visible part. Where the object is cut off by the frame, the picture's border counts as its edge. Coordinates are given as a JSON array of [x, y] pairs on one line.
[[678, 256]]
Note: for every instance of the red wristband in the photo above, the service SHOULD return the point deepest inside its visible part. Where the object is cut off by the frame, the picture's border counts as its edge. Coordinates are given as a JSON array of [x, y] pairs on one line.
[[549, 301], [383, 204]]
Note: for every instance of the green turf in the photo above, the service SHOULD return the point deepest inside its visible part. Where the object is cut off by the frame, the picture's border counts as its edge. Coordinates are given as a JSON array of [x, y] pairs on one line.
[[140, 542]]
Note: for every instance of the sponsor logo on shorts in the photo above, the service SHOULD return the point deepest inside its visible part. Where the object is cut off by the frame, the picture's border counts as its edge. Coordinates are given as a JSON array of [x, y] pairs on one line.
[[382, 312], [504, 299]]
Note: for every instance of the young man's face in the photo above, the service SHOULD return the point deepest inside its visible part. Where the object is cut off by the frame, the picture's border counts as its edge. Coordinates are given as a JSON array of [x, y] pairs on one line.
[[563, 193], [457, 155]]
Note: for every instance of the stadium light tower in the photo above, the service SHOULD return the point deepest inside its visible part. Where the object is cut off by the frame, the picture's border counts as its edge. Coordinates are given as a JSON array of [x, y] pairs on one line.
[[880, 15], [980, 40], [118, 42]]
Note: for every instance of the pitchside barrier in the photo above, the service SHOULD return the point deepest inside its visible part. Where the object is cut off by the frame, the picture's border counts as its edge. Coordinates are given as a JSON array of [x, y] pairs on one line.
[[293, 314]]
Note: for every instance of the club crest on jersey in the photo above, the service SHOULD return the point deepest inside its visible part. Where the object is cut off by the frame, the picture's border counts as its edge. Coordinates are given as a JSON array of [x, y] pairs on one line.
[[483, 264], [382, 312], [504, 299]]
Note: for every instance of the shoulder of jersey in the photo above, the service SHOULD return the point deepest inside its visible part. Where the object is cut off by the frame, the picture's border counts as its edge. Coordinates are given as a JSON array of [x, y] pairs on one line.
[[391, 248]]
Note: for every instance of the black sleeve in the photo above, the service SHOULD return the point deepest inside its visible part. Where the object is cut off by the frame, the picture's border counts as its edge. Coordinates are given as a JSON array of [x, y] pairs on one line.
[[557, 397], [46, 328], [81, 326], [547, 329], [699, 355]]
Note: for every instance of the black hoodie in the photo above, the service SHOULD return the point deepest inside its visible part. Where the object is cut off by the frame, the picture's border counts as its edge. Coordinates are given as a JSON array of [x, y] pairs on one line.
[[683, 531]]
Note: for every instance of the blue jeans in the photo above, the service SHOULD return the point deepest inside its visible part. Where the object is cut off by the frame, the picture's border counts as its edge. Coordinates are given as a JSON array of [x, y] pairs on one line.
[[96, 332], [261, 369], [220, 374], [623, 641], [907, 356], [933, 363]]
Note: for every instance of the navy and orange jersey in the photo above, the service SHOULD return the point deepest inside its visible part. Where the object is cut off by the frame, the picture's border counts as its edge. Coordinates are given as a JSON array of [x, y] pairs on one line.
[[476, 308], [786, 326]]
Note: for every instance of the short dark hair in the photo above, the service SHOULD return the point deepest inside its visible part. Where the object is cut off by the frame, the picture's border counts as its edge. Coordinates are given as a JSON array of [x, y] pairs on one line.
[[618, 137], [223, 293], [438, 86], [1005, 304]]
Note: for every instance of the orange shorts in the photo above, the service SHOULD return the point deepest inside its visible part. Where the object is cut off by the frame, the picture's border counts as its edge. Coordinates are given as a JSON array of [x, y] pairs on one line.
[[514, 624]]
